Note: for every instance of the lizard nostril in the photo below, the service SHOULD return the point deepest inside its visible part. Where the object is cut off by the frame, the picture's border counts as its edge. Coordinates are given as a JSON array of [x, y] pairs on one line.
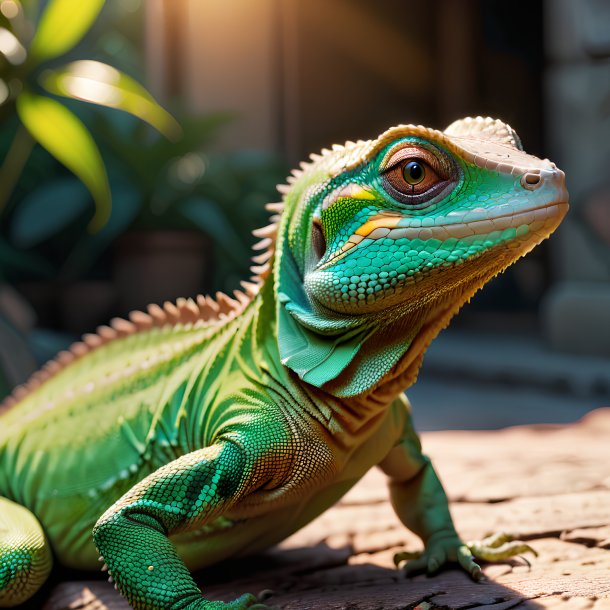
[[531, 181]]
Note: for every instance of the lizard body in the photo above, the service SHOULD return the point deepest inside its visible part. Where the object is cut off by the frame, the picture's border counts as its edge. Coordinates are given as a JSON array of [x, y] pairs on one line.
[[204, 430]]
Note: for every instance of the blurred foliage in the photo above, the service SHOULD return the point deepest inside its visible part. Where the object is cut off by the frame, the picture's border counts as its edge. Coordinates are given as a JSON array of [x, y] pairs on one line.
[[56, 175], [156, 185], [16, 360], [162, 185], [31, 38], [156, 182]]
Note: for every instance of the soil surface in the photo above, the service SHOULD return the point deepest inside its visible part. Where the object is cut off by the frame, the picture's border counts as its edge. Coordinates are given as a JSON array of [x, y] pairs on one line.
[[547, 484]]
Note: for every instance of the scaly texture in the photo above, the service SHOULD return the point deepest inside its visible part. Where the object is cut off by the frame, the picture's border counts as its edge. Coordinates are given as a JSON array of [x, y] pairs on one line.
[[25, 555], [209, 429]]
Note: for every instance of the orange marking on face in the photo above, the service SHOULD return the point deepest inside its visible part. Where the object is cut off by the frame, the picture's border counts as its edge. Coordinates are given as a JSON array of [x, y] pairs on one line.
[[380, 221]]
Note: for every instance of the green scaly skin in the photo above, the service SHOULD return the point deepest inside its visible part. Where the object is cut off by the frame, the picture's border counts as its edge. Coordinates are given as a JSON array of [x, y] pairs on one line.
[[199, 432]]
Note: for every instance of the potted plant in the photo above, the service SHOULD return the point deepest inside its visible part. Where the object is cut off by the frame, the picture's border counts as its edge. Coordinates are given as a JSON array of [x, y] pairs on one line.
[[32, 82], [194, 210]]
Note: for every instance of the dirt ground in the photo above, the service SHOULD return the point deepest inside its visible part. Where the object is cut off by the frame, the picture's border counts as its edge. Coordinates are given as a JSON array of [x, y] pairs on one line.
[[546, 484]]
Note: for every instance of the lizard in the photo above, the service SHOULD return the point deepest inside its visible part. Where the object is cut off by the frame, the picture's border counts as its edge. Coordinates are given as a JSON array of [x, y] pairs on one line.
[[212, 428]]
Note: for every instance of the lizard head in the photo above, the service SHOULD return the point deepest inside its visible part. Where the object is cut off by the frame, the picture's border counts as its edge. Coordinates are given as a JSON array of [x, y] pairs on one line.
[[414, 222]]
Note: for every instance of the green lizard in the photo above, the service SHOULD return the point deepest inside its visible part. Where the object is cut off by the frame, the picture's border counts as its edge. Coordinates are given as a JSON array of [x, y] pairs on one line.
[[211, 429]]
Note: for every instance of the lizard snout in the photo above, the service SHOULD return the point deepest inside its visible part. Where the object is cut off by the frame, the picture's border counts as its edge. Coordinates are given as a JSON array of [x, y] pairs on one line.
[[534, 179]]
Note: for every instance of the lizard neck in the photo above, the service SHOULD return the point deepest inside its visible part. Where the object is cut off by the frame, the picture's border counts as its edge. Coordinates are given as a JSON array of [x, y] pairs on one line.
[[346, 356], [388, 361], [367, 359], [347, 420], [376, 355]]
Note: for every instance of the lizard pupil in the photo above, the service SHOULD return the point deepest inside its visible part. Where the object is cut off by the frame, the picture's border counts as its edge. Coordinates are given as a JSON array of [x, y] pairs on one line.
[[413, 172]]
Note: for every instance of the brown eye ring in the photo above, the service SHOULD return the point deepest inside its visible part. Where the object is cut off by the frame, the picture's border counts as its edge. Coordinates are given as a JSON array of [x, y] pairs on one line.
[[414, 176]]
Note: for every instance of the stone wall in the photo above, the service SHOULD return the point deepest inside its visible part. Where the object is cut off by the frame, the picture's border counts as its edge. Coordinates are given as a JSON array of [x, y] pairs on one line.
[[577, 309]]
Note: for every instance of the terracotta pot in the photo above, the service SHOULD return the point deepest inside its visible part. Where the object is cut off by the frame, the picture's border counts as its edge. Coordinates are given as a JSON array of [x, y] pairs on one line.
[[157, 266]]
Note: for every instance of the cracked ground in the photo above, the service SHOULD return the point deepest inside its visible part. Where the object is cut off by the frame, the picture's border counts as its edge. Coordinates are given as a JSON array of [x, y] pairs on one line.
[[548, 485]]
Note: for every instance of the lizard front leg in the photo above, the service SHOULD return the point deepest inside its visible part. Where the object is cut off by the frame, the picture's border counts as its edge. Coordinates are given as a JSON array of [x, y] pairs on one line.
[[421, 504], [132, 536]]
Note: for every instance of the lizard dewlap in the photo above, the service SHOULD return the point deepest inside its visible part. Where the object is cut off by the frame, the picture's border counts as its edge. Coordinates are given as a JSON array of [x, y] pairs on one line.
[[208, 429]]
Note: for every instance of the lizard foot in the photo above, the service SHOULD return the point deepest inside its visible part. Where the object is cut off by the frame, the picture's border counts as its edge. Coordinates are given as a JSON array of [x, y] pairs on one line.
[[449, 548], [499, 547], [440, 550]]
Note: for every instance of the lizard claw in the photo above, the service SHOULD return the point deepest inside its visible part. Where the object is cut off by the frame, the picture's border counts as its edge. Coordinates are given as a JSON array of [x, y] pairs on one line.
[[466, 560], [439, 552], [445, 549], [499, 547], [406, 556]]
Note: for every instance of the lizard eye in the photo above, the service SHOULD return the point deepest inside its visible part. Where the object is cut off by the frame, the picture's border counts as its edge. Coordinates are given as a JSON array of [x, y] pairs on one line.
[[411, 177], [415, 175], [413, 172]]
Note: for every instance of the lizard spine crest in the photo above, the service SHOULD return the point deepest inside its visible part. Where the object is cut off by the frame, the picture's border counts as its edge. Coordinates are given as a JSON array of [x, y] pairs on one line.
[[200, 311]]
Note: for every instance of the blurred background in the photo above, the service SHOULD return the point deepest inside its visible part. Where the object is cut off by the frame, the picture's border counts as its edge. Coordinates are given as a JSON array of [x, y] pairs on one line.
[[186, 113]]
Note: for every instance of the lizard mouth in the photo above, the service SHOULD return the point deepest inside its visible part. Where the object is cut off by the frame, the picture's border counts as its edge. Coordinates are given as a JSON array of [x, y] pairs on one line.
[[534, 219], [472, 225]]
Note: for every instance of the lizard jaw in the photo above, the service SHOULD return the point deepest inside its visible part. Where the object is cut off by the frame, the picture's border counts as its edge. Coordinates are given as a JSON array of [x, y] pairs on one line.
[[470, 226]]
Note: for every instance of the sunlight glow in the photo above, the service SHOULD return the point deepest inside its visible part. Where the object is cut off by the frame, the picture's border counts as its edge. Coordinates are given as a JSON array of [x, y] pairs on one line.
[[90, 90], [4, 92], [96, 71], [9, 8], [94, 82], [190, 168], [11, 48]]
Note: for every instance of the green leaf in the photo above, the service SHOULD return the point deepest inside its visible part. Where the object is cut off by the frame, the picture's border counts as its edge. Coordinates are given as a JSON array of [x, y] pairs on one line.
[[47, 210], [62, 25], [13, 51], [99, 83], [68, 140]]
